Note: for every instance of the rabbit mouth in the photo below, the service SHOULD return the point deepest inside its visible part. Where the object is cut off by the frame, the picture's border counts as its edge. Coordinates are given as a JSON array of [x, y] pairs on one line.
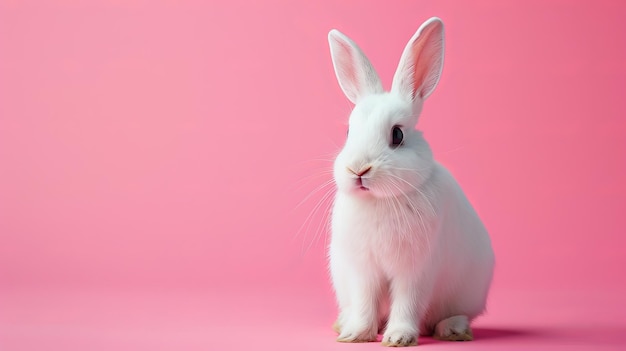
[[360, 185]]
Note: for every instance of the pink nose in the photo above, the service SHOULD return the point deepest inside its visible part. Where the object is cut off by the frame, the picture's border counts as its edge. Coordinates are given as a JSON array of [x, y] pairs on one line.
[[361, 172]]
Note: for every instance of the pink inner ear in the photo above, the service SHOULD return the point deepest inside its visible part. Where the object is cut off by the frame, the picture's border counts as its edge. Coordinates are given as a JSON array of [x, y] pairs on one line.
[[347, 64], [426, 53]]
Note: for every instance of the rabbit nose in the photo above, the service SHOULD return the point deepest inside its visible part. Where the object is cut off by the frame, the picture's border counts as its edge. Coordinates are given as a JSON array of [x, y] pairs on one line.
[[362, 172]]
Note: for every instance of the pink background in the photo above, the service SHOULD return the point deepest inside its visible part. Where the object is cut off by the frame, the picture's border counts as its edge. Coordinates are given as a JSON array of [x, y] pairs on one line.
[[153, 154]]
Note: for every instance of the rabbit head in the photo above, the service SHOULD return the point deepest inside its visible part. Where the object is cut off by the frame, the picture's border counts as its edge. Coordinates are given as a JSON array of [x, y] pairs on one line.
[[384, 155]]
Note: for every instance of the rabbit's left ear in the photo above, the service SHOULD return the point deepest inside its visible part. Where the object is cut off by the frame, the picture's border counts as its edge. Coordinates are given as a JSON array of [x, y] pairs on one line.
[[354, 71], [421, 62]]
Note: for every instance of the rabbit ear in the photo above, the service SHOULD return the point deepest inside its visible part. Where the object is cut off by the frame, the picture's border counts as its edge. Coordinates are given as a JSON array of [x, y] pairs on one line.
[[421, 62], [354, 71]]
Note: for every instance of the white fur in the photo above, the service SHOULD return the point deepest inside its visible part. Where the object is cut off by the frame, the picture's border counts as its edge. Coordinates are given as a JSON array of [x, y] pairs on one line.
[[410, 250]]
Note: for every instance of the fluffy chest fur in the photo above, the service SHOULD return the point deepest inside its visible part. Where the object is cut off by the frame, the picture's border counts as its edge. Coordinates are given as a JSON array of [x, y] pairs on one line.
[[387, 235]]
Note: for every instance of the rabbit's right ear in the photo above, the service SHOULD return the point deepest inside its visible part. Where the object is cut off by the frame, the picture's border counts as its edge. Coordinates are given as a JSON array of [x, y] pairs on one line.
[[421, 62], [356, 76]]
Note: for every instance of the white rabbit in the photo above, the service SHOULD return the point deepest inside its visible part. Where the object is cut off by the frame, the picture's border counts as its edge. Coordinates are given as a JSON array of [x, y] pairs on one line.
[[408, 253]]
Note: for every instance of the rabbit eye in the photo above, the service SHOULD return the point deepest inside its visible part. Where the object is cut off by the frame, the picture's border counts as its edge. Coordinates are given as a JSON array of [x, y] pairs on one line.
[[396, 136]]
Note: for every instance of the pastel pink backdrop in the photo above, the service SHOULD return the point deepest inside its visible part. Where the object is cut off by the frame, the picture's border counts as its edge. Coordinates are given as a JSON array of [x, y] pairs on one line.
[[153, 156]]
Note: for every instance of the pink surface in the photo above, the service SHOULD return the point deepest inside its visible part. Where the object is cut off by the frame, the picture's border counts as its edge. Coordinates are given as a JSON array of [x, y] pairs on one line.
[[153, 154]]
